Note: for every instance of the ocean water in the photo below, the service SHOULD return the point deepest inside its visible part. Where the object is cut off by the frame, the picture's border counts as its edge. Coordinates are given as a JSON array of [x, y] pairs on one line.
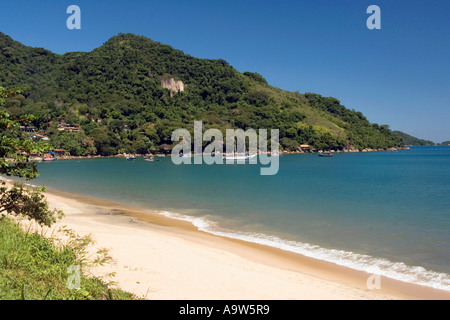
[[380, 212]]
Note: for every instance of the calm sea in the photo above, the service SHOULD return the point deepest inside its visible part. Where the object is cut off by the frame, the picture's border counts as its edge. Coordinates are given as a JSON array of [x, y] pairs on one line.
[[381, 212]]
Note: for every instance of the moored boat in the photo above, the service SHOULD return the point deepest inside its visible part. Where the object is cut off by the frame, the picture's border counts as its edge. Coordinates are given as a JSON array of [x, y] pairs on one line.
[[239, 157], [325, 154]]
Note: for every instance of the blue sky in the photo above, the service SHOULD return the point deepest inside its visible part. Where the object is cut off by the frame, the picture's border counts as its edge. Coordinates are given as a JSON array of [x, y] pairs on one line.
[[399, 75]]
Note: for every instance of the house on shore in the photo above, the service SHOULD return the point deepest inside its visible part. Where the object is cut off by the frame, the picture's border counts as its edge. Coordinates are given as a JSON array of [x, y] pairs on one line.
[[29, 129], [305, 147], [39, 137], [60, 152], [64, 126]]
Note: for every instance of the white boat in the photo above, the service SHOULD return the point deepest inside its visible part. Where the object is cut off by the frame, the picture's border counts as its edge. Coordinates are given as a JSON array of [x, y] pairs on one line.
[[188, 155], [238, 157]]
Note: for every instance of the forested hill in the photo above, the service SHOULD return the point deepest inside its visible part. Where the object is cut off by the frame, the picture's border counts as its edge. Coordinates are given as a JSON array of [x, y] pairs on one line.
[[409, 140], [130, 94]]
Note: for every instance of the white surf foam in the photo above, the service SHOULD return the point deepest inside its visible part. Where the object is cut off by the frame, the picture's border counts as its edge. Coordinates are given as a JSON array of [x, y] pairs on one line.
[[395, 270]]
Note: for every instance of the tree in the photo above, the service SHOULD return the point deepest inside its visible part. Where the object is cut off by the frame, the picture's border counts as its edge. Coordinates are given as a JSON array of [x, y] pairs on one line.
[[255, 76], [116, 88], [15, 161]]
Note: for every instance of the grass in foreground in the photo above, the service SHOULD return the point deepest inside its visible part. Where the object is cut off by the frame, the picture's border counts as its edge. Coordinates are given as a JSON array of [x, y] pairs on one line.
[[34, 267]]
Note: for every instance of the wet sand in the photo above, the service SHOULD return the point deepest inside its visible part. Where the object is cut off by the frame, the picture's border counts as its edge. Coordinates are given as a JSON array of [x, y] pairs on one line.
[[157, 257]]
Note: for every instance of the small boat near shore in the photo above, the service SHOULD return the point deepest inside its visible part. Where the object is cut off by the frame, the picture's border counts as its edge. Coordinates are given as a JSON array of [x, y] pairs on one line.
[[325, 154], [49, 156], [238, 157]]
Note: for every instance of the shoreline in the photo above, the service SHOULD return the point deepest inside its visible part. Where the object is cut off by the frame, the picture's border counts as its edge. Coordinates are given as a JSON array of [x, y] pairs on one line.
[[249, 270], [282, 152]]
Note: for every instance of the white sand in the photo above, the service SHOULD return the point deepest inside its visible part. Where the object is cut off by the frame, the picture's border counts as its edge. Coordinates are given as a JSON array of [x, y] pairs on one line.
[[168, 259]]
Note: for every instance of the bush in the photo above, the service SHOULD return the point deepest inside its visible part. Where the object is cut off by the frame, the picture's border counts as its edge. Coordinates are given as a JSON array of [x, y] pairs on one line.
[[34, 267]]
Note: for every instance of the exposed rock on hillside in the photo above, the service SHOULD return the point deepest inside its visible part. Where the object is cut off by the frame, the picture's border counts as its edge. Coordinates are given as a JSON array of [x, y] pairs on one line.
[[173, 85]]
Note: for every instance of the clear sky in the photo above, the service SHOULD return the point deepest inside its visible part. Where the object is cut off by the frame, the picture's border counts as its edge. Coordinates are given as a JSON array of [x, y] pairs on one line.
[[398, 75]]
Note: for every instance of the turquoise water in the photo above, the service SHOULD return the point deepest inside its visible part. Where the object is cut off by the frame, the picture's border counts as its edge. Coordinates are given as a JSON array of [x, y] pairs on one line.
[[382, 212]]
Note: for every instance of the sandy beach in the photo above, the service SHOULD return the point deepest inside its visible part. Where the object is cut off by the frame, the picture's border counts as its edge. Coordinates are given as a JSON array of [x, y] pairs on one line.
[[160, 258]]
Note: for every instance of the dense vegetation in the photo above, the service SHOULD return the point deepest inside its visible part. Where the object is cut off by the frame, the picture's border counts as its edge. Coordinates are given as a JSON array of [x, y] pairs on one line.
[[15, 152], [409, 140], [33, 267], [114, 94]]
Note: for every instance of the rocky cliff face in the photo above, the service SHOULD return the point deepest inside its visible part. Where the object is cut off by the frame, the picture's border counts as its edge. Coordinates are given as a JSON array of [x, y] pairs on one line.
[[173, 85]]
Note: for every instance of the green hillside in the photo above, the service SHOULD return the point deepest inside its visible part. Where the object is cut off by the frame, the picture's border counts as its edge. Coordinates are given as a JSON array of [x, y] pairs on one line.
[[114, 97], [409, 140]]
